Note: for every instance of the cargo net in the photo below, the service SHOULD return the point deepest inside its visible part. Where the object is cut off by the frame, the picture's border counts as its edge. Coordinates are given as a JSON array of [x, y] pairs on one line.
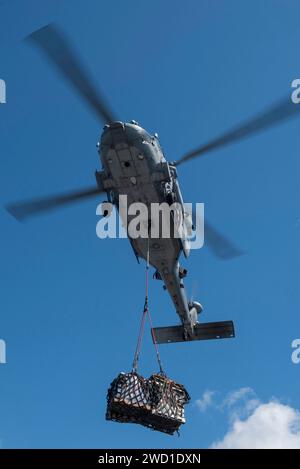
[[156, 402]]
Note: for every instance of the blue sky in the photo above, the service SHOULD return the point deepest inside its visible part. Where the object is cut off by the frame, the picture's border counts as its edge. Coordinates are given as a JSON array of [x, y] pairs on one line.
[[70, 303]]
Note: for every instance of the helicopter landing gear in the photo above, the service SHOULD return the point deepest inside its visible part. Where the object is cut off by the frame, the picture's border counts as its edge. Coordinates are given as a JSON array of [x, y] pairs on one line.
[[157, 275], [185, 334]]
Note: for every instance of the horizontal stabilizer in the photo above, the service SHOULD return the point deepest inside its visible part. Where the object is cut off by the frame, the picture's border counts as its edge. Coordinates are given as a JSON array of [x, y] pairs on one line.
[[206, 331]]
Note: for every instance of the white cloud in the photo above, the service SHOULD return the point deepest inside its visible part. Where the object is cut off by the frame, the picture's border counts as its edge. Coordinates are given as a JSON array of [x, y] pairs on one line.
[[233, 397], [270, 425], [253, 423], [206, 400], [238, 402]]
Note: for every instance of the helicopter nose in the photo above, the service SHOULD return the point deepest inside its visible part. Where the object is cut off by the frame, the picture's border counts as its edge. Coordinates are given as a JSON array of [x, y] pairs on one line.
[[114, 133], [123, 133], [115, 125]]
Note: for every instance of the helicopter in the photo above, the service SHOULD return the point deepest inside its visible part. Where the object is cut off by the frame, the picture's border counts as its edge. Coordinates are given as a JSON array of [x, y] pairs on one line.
[[134, 164]]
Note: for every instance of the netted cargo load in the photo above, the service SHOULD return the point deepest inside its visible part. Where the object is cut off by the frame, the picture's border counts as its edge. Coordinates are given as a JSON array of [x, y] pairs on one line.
[[156, 402]]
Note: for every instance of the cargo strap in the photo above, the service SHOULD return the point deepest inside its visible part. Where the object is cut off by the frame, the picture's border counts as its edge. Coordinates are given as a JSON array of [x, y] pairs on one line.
[[146, 312]]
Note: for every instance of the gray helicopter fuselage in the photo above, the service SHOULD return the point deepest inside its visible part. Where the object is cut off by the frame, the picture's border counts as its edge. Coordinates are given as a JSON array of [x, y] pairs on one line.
[[134, 165]]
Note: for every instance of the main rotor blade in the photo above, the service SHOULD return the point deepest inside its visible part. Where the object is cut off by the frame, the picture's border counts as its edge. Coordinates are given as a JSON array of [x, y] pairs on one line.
[[22, 210], [59, 51], [276, 114], [221, 246]]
